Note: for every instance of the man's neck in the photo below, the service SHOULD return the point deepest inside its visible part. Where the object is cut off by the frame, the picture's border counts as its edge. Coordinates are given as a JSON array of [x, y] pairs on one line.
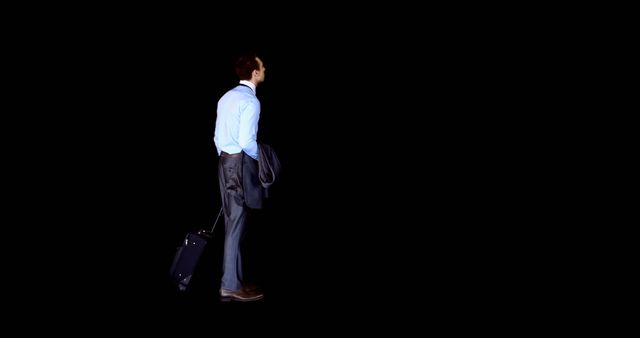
[[250, 84]]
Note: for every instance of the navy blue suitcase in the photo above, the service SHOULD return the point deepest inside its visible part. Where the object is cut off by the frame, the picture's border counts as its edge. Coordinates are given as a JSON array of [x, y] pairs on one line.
[[188, 254]]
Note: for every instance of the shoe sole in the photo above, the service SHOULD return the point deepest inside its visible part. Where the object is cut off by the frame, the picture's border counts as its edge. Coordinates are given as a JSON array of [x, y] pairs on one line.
[[231, 298]]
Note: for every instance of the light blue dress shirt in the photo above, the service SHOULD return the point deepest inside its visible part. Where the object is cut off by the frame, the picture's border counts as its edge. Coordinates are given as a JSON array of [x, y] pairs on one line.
[[237, 122]]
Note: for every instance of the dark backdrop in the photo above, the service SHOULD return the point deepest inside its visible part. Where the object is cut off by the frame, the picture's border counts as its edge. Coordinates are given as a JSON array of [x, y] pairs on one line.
[[389, 159]]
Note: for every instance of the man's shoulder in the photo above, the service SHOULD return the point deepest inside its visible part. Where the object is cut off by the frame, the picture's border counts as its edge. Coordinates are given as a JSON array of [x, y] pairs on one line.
[[239, 95]]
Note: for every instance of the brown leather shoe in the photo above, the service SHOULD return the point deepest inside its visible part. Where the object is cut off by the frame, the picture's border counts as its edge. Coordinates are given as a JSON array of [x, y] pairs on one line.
[[249, 287], [242, 295]]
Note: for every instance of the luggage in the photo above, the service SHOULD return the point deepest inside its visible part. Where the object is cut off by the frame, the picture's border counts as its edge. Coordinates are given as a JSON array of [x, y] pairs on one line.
[[188, 254]]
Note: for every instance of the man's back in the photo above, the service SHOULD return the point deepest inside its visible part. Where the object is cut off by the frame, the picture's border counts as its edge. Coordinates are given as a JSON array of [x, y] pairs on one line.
[[237, 122]]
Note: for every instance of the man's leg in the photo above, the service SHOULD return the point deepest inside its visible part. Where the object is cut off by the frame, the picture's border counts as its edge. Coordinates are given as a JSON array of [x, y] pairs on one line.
[[230, 178]]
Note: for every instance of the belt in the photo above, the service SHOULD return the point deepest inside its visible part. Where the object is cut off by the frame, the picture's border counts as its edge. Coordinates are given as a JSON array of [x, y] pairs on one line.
[[223, 154]]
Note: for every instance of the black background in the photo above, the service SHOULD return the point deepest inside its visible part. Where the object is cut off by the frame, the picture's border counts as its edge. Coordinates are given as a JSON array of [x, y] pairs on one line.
[[390, 139]]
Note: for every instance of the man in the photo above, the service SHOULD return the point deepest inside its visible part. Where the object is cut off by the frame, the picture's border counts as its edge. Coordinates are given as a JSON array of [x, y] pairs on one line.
[[236, 137]]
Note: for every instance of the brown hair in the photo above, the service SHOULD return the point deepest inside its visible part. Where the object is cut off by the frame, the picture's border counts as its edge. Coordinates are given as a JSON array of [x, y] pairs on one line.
[[245, 65]]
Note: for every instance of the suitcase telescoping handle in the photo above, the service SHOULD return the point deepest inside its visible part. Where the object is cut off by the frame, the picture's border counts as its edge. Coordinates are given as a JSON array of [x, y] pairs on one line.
[[216, 222]]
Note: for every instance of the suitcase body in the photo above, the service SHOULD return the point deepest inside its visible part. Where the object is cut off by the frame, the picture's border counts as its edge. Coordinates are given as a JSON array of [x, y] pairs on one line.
[[187, 257], [188, 254]]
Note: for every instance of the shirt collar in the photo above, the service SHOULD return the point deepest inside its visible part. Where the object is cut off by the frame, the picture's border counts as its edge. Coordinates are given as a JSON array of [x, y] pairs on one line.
[[250, 84]]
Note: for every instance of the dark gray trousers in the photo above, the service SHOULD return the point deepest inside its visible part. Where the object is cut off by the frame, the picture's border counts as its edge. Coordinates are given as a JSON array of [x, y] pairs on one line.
[[235, 218]]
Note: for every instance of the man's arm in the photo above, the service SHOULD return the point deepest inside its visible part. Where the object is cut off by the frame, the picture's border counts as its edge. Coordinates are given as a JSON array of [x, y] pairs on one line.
[[249, 128]]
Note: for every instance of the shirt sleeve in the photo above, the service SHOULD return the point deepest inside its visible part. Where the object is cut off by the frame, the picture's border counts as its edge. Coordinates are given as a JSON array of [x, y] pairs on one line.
[[248, 135]]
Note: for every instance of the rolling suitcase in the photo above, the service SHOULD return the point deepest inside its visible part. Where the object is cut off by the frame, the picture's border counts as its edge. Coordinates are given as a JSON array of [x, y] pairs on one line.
[[188, 254]]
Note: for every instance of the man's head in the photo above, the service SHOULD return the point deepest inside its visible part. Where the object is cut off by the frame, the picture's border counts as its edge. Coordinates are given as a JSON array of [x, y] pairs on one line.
[[249, 67]]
